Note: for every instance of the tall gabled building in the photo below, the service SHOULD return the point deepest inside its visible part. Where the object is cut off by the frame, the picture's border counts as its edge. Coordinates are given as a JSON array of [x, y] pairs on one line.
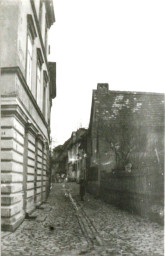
[[126, 133], [28, 85]]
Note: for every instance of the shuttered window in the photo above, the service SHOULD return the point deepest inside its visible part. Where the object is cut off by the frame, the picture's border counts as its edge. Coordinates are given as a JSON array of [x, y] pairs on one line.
[[29, 61]]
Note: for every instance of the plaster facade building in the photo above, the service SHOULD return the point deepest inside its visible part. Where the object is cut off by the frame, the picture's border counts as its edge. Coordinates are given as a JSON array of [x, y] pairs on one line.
[[56, 168], [77, 154], [70, 158], [59, 162], [28, 85]]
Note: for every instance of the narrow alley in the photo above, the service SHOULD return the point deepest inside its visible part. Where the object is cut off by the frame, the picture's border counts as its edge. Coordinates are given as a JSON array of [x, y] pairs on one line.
[[82, 128], [54, 229]]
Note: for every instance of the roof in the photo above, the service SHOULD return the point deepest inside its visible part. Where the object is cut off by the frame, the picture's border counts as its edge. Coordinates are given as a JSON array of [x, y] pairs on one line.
[[58, 148], [127, 107], [77, 136]]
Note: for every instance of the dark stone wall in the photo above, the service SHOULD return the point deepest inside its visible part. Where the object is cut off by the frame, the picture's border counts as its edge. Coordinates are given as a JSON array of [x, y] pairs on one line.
[[138, 192], [126, 135]]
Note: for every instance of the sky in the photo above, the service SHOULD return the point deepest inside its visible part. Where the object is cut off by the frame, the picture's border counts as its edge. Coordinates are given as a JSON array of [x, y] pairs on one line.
[[119, 42]]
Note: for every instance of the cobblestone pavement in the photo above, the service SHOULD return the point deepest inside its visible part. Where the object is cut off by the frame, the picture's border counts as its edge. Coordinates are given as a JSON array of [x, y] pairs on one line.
[[123, 234], [126, 234]]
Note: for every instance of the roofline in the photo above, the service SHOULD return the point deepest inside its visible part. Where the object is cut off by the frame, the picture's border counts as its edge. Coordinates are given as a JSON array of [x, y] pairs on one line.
[[118, 92], [92, 106], [133, 92]]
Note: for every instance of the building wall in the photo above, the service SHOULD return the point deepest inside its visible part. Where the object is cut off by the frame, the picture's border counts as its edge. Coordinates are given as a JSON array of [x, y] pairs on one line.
[[24, 126], [126, 138], [72, 171], [76, 165], [25, 169], [8, 13], [141, 192], [12, 150], [15, 54], [74, 168]]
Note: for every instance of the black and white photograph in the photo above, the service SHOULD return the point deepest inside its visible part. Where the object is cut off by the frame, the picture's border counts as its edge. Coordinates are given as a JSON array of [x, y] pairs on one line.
[[82, 116]]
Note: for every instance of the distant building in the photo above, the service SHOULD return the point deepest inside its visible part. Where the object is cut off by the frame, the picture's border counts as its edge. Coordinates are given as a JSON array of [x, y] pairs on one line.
[[28, 85], [57, 151], [126, 132], [77, 154], [59, 162], [70, 158]]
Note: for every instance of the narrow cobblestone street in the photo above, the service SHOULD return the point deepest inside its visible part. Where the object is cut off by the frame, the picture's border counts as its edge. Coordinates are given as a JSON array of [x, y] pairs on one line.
[[122, 233]]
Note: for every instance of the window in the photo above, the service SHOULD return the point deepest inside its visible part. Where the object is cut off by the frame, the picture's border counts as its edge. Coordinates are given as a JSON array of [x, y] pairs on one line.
[[31, 35], [40, 12], [39, 85], [39, 96], [44, 99], [48, 108], [41, 18], [46, 34], [29, 61], [45, 81]]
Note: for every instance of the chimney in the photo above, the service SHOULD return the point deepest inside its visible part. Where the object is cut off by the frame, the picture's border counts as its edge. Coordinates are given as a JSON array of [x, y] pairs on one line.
[[102, 87]]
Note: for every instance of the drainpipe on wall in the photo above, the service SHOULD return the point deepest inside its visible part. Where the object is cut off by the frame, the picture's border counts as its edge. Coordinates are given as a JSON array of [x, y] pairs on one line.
[[99, 176], [99, 166]]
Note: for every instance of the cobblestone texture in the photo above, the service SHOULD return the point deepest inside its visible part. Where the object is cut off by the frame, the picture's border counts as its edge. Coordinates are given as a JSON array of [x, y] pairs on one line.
[[124, 234]]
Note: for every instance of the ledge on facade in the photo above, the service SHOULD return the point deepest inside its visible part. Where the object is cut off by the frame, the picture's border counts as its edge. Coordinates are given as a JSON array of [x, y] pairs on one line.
[[52, 72], [16, 70]]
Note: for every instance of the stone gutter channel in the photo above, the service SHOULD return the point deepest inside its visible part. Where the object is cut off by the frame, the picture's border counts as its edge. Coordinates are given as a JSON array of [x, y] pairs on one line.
[[87, 227], [90, 232]]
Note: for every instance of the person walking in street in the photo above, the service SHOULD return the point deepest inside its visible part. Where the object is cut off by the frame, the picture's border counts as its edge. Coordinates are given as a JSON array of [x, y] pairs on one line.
[[82, 188]]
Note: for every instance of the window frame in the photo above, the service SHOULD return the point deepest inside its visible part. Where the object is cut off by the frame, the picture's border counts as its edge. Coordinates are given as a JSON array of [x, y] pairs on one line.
[[31, 34], [29, 60], [38, 85], [45, 86]]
